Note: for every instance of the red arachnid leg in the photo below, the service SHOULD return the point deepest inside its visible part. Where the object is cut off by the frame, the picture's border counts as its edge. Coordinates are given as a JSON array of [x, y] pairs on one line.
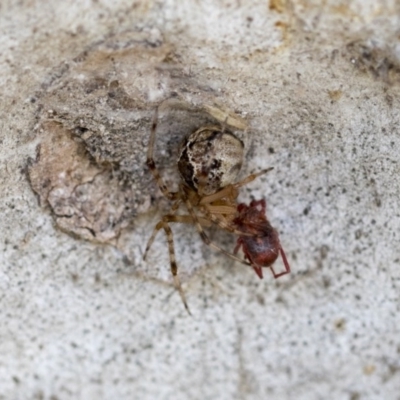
[[285, 263], [241, 243]]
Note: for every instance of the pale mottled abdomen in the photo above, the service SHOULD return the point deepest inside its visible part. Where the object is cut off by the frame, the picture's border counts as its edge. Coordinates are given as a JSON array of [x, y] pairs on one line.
[[210, 159]]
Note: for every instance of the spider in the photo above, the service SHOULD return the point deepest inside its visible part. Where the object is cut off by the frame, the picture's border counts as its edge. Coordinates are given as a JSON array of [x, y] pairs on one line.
[[263, 246], [209, 162]]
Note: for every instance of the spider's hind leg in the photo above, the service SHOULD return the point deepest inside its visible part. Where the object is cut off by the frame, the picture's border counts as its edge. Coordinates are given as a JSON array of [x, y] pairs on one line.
[[174, 266], [285, 263], [166, 219], [164, 224]]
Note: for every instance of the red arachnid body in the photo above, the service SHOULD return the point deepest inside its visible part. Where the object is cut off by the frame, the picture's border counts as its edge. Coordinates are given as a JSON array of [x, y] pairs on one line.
[[261, 245]]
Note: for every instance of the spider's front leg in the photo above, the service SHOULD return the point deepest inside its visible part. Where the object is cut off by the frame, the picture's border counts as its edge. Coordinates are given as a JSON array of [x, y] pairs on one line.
[[251, 177], [285, 263]]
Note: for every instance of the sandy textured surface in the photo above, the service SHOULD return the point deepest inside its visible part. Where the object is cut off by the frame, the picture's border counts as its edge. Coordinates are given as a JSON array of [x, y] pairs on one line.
[[313, 88]]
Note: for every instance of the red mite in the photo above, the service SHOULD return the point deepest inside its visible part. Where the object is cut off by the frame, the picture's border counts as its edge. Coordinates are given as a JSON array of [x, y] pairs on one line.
[[263, 247]]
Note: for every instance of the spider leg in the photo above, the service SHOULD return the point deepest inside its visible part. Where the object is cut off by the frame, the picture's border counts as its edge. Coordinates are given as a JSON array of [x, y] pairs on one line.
[[152, 237], [258, 270], [163, 224], [174, 266], [285, 262], [219, 220], [206, 239], [239, 243], [231, 191], [228, 191], [224, 124], [152, 165], [159, 225], [185, 219], [251, 178]]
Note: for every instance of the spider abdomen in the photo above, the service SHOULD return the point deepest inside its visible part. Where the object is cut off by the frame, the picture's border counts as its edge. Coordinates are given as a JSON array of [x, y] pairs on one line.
[[262, 251], [210, 159]]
